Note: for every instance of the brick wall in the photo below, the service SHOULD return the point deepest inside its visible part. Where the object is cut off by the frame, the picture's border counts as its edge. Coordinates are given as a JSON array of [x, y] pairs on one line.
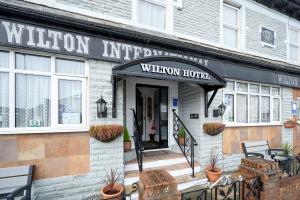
[[253, 21], [199, 18]]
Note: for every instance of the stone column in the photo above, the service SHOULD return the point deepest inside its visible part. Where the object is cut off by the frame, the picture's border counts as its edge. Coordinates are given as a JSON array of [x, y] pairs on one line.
[[158, 185], [269, 174]]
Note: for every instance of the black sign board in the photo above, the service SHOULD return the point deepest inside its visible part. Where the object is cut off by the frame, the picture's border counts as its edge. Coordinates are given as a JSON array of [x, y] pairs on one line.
[[194, 116]]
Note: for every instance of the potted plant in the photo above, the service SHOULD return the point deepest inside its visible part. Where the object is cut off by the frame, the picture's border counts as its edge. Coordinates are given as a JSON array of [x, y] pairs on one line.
[[213, 129], [112, 190], [288, 149], [105, 133], [213, 173], [290, 123], [181, 136], [127, 141]]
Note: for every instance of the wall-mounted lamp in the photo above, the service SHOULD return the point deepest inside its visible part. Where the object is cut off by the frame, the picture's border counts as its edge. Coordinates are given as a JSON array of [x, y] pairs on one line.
[[101, 108], [220, 111]]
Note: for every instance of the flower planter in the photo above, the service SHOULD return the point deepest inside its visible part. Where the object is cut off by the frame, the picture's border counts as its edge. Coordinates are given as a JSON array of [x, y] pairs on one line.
[[105, 133], [290, 124], [213, 129], [127, 146], [116, 196], [213, 176], [181, 141]]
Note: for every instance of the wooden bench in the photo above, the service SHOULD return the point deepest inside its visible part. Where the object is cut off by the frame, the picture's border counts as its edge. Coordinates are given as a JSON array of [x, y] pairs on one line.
[[16, 182], [260, 149]]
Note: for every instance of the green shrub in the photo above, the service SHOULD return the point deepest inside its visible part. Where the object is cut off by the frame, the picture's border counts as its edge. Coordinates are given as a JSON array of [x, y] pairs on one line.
[[126, 135], [181, 132]]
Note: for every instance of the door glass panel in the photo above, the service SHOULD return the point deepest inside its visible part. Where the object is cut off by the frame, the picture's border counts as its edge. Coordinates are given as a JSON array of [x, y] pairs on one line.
[[164, 117]]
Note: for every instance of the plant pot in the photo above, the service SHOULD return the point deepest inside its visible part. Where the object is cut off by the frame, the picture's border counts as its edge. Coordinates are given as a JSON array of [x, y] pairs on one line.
[[116, 196], [290, 124], [127, 146], [181, 141], [213, 129], [213, 176]]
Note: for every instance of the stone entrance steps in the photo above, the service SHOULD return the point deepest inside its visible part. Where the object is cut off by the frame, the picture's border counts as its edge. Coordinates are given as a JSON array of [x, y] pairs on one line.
[[175, 163]]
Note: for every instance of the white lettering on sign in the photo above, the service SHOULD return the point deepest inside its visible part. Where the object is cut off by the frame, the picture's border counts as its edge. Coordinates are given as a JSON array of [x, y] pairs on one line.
[[173, 71], [287, 80], [45, 38]]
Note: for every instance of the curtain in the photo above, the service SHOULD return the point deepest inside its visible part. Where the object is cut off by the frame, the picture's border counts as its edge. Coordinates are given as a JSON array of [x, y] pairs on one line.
[[229, 112], [276, 109], [254, 107], [242, 108], [265, 109], [31, 62], [4, 103], [32, 101], [70, 102], [151, 14], [69, 67]]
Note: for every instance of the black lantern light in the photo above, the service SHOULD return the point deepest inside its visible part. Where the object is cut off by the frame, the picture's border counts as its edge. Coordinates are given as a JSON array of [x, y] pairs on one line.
[[101, 108], [220, 111]]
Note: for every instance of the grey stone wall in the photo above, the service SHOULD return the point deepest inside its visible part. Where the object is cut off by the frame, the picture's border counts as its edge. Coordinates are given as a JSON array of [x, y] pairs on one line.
[[198, 18], [114, 8], [103, 156], [253, 21]]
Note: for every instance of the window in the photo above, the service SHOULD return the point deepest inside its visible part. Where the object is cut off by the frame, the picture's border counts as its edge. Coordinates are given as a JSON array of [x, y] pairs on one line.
[[267, 37], [293, 45], [251, 103], [230, 26], [152, 13], [49, 92]]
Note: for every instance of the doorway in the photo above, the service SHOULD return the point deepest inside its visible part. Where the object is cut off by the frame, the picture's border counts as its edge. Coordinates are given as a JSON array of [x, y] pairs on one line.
[[152, 115]]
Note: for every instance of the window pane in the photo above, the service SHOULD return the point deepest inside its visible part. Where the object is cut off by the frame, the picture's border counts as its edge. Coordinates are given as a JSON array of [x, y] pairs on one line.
[[276, 109], [230, 16], [151, 14], [31, 62], [293, 53], [70, 67], [242, 87], [275, 91], [293, 36], [32, 101], [254, 88], [230, 37], [254, 108], [230, 86], [229, 112], [70, 102], [265, 89], [4, 110], [241, 108], [265, 109], [4, 59]]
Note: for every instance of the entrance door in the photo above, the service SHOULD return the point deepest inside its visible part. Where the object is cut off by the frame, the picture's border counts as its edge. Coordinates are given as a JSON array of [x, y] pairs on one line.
[[152, 114]]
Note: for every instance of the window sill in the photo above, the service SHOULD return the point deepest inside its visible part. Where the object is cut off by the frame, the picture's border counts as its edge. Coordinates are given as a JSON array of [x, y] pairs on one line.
[[235, 125], [40, 130]]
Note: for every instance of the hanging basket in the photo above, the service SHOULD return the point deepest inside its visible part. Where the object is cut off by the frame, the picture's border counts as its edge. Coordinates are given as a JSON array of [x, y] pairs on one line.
[[213, 129], [290, 124], [105, 133]]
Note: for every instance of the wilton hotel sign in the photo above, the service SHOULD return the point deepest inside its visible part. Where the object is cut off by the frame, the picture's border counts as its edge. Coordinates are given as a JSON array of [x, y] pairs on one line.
[[46, 39]]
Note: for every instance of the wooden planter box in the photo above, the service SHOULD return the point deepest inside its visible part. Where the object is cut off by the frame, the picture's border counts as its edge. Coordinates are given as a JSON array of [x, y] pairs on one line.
[[290, 124]]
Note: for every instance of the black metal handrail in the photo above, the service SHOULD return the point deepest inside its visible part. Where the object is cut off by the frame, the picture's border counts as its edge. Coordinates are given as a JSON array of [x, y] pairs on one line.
[[187, 144], [138, 143]]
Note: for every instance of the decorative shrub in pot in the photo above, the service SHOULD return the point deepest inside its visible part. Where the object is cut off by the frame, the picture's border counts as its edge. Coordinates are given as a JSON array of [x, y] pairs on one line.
[[181, 136], [213, 173], [290, 123], [213, 129], [112, 190], [127, 141], [106, 133]]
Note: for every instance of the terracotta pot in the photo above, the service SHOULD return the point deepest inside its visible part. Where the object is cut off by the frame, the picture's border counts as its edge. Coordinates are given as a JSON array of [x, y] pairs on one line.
[[127, 146], [290, 124], [116, 196], [213, 176], [181, 141]]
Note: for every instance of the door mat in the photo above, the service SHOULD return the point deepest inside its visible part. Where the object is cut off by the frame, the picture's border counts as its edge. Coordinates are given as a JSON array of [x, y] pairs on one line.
[[156, 153]]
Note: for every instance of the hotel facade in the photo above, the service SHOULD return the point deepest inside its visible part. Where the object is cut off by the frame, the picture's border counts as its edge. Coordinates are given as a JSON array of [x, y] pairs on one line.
[[156, 58]]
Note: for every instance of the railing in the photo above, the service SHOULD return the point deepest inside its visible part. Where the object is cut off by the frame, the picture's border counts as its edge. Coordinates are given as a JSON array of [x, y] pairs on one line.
[[187, 143], [228, 189], [138, 143]]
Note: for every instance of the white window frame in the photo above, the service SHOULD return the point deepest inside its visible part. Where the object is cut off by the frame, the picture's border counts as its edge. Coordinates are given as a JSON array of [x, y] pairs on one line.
[[168, 16], [265, 43], [271, 96], [293, 44], [54, 126], [237, 28]]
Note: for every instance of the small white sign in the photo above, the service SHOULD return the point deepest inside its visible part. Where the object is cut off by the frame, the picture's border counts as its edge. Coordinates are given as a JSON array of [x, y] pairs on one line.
[[35, 123], [71, 118]]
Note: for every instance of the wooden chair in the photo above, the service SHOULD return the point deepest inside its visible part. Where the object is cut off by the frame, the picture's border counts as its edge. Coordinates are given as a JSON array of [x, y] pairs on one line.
[[16, 182], [260, 149]]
